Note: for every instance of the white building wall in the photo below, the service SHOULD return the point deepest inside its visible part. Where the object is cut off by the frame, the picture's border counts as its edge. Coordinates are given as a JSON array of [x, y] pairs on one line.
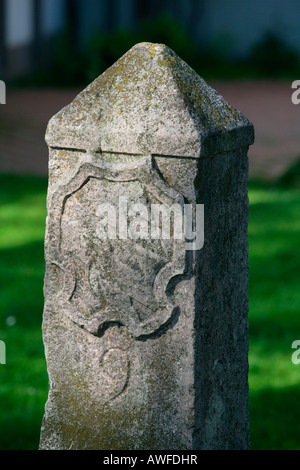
[[19, 22]]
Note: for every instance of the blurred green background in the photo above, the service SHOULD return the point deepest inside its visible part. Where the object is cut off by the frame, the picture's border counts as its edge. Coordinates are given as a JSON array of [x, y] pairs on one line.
[[65, 61]]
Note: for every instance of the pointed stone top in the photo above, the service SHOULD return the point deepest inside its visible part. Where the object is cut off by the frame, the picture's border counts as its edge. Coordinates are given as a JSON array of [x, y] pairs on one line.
[[150, 102]]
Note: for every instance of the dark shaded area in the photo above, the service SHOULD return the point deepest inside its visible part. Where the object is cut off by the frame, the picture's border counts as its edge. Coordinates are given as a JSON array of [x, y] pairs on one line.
[[270, 407], [22, 430], [271, 54], [74, 62], [37, 33], [73, 24], [14, 188], [291, 177], [221, 287]]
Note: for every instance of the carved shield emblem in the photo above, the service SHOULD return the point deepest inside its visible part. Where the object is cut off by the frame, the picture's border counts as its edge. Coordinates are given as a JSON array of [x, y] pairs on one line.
[[121, 276]]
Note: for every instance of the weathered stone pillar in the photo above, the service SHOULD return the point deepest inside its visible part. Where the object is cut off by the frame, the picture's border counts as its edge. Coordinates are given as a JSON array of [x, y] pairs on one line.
[[146, 339]]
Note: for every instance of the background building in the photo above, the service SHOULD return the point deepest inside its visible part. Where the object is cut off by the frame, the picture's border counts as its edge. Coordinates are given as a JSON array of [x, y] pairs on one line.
[[27, 26]]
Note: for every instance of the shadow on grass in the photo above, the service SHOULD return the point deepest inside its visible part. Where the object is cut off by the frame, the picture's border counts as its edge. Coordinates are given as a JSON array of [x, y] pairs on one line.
[[21, 430], [13, 188], [291, 177], [277, 417]]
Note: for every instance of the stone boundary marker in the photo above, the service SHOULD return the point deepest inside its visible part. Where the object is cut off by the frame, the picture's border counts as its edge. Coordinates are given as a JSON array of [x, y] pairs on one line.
[[146, 341]]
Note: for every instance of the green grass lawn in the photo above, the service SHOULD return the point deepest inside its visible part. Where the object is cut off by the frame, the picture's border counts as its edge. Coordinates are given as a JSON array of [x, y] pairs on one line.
[[274, 316], [274, 233], [23, 380]]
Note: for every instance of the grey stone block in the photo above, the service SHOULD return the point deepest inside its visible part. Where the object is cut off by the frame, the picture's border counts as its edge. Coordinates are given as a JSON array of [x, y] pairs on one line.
[[146, 341]]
